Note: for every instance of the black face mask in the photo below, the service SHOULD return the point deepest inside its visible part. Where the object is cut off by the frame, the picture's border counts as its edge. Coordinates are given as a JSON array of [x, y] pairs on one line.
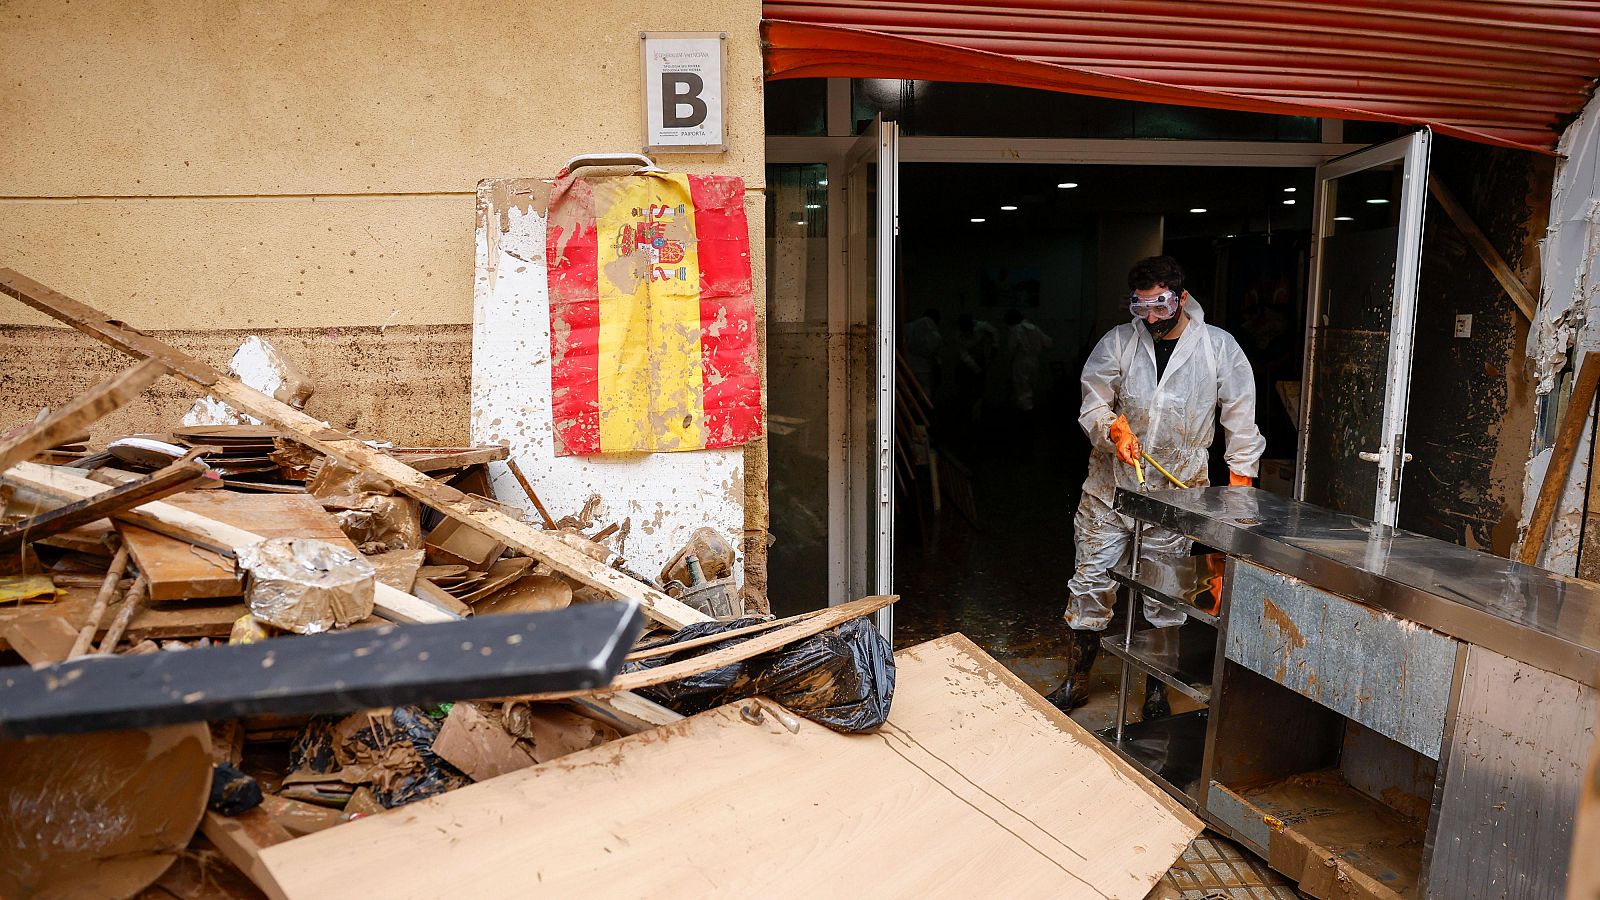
[[1161, 329]]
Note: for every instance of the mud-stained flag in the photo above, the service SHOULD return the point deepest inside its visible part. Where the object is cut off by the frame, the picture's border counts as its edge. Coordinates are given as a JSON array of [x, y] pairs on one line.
[[652, 322]]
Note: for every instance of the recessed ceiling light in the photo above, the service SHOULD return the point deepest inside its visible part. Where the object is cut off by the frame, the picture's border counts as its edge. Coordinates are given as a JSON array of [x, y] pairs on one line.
[[1285, 190], [1067, 185], [1197, 209], [1008, 208], [813, 206], [1288, 203], [1378, 200], [1344, 218], [980, 220], [1230, 235], [823, 183]]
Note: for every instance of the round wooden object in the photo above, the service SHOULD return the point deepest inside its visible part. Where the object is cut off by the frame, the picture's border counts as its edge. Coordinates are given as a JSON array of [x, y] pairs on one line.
[[99, 815]]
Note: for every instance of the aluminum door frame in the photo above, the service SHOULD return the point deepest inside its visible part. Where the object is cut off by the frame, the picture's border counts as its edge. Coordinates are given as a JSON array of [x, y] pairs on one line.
[[1414, 150]]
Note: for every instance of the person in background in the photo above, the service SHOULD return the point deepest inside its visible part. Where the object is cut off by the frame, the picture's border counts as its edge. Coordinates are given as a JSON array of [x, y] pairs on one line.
[[1155, 386], [921, 345]]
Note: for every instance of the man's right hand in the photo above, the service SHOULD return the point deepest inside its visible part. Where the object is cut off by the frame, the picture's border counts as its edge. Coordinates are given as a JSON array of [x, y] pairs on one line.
[[1128, 449]]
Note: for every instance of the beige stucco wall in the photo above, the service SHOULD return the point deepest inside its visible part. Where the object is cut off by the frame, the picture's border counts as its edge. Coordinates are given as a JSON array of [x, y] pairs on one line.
[[201, 164]]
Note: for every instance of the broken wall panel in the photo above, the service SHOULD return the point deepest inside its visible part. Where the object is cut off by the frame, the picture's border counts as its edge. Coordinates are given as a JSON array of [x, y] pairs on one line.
[[665, 495]]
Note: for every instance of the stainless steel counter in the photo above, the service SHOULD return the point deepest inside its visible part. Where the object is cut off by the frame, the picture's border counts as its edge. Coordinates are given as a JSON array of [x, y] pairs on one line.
[[1546, 620]]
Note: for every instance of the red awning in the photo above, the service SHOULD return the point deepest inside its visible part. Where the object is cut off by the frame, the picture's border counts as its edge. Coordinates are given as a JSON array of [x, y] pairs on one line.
[[1506, 72]]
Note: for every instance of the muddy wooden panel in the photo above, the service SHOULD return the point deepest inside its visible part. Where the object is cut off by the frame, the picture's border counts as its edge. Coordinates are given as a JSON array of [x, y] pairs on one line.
[[1386, 673], [181, 571], [1511, 784], [571, 649]]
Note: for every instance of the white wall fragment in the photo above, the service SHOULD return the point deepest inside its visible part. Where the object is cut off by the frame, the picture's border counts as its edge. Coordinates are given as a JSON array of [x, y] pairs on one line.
[[259, 365]]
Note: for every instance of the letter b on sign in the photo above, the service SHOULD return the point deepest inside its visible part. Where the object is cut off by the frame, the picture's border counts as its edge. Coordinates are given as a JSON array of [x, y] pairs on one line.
[[681, 104]]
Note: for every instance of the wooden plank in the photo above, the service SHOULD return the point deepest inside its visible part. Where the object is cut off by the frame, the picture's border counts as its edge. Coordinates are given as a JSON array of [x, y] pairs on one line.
[[83, 411], [174, 478], [41, 641], [1579, 405], [202, 531], [178, 571], [242, 839], [132, 602], [440, 459], [340, 671], [527, 488], [354, 452], [300, 818], [765, 642], [1515, 289], [1583, 880], [191, 620], [976, 787]]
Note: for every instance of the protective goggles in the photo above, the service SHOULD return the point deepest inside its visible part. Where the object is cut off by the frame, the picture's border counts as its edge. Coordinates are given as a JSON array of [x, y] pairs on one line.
[[1163, 305]]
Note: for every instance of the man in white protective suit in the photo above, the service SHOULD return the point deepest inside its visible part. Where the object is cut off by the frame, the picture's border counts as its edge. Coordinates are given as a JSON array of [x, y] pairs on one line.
[[1155, 386]]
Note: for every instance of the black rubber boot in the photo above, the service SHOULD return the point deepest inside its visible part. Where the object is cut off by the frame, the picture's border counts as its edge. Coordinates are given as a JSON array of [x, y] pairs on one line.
[[1155, 700], [1082, 648]]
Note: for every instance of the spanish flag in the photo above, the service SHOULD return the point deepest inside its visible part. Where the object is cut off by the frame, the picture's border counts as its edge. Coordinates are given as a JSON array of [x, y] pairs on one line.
[[652, 322]]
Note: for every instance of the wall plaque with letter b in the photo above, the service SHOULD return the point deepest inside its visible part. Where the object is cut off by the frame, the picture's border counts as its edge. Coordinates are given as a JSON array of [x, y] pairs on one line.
[[683, 91]]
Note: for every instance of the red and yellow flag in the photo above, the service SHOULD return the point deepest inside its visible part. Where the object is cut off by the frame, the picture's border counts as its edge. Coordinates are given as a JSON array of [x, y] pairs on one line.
[[652, 322]]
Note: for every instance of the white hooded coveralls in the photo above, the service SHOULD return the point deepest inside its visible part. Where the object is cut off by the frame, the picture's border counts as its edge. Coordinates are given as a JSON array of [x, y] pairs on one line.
[[1175, 421]]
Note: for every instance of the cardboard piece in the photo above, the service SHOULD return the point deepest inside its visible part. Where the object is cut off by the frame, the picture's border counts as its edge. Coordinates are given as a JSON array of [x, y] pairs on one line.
[[976, 787], [453, 542], [479, 745], [397, 568], [41, 641]]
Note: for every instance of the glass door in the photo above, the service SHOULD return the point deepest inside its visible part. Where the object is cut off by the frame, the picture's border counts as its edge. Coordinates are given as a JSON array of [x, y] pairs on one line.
[[872, 227], [1367, 251]]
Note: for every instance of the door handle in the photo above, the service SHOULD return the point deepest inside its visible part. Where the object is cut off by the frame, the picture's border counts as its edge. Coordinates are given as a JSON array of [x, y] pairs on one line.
[[1374, 457]]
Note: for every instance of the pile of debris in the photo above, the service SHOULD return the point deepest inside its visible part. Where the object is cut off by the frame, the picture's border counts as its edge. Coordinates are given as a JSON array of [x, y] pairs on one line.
[[239, 637]]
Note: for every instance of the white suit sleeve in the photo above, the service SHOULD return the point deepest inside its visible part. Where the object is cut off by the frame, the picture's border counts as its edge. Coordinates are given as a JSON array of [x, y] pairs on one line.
[[1102, 378], [1236, 408]]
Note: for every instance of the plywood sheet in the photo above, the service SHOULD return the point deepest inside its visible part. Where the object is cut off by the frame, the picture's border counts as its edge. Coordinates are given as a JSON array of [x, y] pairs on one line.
[[975, 787], [189, 620], [179, 571]]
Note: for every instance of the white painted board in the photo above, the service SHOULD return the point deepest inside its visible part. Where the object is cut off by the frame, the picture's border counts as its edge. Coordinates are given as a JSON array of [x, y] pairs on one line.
[[665, 495]]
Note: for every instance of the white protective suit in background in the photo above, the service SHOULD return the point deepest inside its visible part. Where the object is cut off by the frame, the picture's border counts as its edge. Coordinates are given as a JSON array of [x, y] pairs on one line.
[[1175, 422]]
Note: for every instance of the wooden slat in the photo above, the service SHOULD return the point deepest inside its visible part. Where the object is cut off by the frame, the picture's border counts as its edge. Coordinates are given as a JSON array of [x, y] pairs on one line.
[[1565, 448], [242, 839], [354, 453], [83, 410], [1491, 257], [527, 488], [102, 599], [178, 476], [174, 521], [976, 787]]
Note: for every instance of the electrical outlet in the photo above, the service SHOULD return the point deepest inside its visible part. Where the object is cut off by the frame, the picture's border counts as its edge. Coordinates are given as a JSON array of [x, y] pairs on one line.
[[1464, 326]]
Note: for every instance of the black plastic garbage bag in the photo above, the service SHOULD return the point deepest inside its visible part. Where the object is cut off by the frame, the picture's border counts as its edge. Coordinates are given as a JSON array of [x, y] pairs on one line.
[[842, 678]]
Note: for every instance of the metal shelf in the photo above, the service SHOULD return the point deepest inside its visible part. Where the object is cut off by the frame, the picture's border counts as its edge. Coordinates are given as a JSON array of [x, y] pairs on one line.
[[1168, 751], [1181, 656], [1183, 584]]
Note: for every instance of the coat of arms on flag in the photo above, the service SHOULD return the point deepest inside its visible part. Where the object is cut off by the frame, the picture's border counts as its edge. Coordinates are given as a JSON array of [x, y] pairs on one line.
[[652, 320]]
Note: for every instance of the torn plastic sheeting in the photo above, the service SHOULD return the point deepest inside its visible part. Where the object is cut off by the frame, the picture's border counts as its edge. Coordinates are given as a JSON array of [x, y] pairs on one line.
[[259, 365], [368, 510], [842, 678], [306, 586]]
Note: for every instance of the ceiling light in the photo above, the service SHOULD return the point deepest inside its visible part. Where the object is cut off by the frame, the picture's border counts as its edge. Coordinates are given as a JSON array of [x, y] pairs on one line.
[[1378, 200], [1290, 190], [1344, 218], [1230, 235], [1067, 185], [813, 206], [979, 221], [1288, 203], [1197, 209], [1008, 209], [822, 183]]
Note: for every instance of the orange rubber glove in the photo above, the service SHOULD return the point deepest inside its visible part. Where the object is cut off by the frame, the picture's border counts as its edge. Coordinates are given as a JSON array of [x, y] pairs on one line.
[[1128, 449], [1237, 480]]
